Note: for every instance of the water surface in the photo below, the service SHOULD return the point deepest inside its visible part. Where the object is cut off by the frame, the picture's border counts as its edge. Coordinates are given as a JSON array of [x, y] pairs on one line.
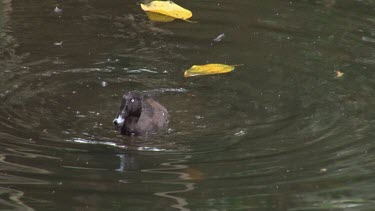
[[281, 132]]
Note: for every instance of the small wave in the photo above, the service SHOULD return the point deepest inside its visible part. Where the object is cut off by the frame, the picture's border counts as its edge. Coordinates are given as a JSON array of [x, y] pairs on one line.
[[116, 145]]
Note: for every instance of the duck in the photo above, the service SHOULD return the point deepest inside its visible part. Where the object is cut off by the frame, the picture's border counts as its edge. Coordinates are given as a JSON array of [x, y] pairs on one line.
[[140, 115]]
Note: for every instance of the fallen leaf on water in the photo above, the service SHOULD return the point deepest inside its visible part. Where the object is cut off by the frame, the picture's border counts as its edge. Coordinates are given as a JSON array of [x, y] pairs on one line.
[[156, 17], [166, 8], [208, 69], [339, 73]]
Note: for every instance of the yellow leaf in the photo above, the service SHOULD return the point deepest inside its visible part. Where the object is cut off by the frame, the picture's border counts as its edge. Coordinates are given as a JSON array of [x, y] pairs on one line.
[[158, 17], [208, 69], [167, 8]]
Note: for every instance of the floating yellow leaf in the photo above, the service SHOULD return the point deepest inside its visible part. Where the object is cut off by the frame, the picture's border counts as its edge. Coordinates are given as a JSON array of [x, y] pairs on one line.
[[159, 17], [167, 8], [208, 69]]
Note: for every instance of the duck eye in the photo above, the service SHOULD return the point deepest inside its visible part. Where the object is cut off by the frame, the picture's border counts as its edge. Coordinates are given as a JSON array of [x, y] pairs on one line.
[[132, 100]]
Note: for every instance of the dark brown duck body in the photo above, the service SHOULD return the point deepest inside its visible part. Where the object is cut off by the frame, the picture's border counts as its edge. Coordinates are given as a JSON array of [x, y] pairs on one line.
[[140, 116]]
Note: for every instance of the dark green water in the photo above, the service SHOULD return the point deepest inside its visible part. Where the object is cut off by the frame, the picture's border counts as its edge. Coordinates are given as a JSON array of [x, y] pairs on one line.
[[281, 132]]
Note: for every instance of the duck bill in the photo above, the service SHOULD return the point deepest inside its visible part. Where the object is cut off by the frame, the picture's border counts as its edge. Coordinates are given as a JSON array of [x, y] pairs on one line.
[[119, 121]]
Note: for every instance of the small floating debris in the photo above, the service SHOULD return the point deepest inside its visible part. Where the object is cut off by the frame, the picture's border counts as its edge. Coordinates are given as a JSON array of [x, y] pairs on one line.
[[219, 38], [240, 133], [57, 10], [339, 74], [104, 84], [58, 43]]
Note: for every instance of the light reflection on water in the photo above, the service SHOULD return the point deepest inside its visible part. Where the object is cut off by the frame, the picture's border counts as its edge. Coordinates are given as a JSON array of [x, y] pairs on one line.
[[174, 167], [279, 133]]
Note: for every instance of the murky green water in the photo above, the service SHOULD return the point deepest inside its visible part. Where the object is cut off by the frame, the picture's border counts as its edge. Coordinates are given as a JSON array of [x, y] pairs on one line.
[[281, 132]]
